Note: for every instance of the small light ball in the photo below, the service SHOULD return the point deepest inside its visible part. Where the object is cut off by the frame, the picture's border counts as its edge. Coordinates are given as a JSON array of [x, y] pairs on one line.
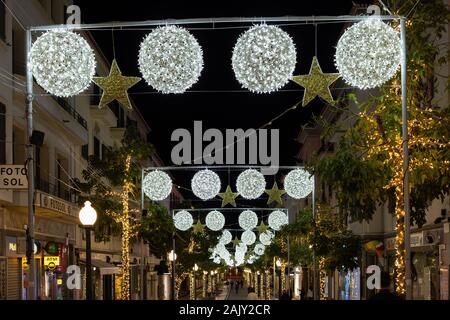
[[183, 220], [298, 183], [248, 220], [205, 184], [248, 237], [251, 184], [157, 185], [215, 220], [277, 219]]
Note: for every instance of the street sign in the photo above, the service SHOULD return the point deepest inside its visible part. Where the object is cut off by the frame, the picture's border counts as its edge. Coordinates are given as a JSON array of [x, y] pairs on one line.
[[51, 262], [13, 177]]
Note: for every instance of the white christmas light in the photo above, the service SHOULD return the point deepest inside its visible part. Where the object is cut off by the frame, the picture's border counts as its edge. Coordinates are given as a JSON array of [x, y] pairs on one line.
[[248, 237], [217, 260], [241, 248], [259, 249], [215, 220], [205, 184], [248, 220], [170, 59], [264, 59], [298, 183], [62, 62], [226, 237], [266, 237], [157, 185], [368, 54], [251, 184], [183, 220], [277, 219]]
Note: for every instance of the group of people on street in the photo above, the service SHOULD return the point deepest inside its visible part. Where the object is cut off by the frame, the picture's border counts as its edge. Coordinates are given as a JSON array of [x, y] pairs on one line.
[[236, 284]]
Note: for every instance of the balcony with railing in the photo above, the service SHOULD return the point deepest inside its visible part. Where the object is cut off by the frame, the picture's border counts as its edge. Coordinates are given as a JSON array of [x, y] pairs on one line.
[[63, 103], [60, 191]]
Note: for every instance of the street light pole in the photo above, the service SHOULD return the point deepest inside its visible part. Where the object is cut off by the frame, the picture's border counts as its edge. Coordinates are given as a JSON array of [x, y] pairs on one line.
[[89, 295]]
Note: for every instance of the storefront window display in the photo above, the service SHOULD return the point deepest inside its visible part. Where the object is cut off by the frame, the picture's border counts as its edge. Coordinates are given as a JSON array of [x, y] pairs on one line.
[[425, 277], [350, 285]]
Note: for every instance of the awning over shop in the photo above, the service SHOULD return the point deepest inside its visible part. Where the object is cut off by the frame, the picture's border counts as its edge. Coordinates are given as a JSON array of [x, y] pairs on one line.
[[104, 267]]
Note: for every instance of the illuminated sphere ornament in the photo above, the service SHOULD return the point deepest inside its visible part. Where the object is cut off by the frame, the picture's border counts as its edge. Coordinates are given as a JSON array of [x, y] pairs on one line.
[[170, 59], [266, 237], [277, 219], [241, 248], [264, 59], [298, 183], [183, 220], [368, 54], [62, 62], [215, 220], [251, 184], [226, 237], [205, 184], [248, 237], [259, 249], [248, 220], [87, 214], [157, 185]]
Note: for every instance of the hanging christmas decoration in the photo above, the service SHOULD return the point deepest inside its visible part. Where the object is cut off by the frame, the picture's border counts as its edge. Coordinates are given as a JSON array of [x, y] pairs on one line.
[[236, 242], [183, 220], [316, 83], [248, 237], [115, 87], [266, 237], [226, 237], [205, 184], [228, 197], [262, 227], [62, 62], [248, 220], [198, 227], [275, 194], [277, 219], [368, 54], [170, 59], [217, 260], [251, 184], [298, 183], [157, 185], [215, 220], [264, 59], [259, 249], [241, 248]]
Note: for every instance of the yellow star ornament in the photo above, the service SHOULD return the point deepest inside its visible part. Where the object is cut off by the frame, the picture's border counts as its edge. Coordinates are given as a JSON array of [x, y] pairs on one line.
[[262, 228], [115, 86], [275, 194], [316, 83], [198, 227], [228, 197]]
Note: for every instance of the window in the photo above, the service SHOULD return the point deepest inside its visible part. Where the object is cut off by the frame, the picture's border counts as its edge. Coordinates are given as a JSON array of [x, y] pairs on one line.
[[85, 151], [2, 133], [96, 148], [2, 21]]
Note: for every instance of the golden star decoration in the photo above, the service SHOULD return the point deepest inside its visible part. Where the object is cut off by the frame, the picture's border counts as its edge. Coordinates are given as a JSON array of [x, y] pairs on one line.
[[198, 227], [316, 83], [228, 197], [236, 242], [275, 194], [262, 228], [115, 87]]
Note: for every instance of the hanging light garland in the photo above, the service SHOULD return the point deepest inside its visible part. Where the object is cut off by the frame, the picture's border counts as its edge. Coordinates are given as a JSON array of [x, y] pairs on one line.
[[226, 237], [242, 248], [248, 237], [264, 59], [215, 220], [170, 59], [368, 54], [183, 220], [266, 237], [157, 185], [259, 249], [277, 219], [248, 220], [298, 183], [251, 184], [62, 62], [205, 184]]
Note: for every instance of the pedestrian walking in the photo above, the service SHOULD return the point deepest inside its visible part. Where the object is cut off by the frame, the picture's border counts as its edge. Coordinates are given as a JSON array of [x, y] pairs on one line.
[[232, 284], [237, 287], [242, 284], [385, 293]]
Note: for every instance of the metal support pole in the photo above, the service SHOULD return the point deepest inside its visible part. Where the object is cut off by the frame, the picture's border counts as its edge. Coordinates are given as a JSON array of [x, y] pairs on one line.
[[315, 286], [195, 287], [31, 292], [142, 293], [274, 278], [173, 264], [89, 295], [405, 161]]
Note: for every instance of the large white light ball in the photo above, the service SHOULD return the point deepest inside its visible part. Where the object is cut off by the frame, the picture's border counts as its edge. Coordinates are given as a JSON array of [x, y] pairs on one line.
[[205, 184], [170, 59], [368, 54], [251, 184], [183, 220], [266, 237], [157, 185], [226, 237], [87, 214], [264, 59], [277, 219], [215, 220], [62, 62], [248, 220], [259, 249], [298, 183], [248, 237]]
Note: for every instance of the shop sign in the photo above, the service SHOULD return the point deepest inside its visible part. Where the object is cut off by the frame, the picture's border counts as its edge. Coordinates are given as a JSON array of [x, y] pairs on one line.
[[13, 177], [25, 265], [11, 246], [55, 204], [390, 244], [416, 240], [51, 262]]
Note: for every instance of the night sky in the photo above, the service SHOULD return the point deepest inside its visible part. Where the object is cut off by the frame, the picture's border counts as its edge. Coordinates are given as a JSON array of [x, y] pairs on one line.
[[219, 109]]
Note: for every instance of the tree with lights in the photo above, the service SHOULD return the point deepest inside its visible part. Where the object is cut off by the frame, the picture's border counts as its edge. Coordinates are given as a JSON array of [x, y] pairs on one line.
[[367, 168]]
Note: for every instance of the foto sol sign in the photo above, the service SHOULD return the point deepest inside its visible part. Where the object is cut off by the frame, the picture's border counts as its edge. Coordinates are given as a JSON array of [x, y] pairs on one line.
[[13, 177]]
